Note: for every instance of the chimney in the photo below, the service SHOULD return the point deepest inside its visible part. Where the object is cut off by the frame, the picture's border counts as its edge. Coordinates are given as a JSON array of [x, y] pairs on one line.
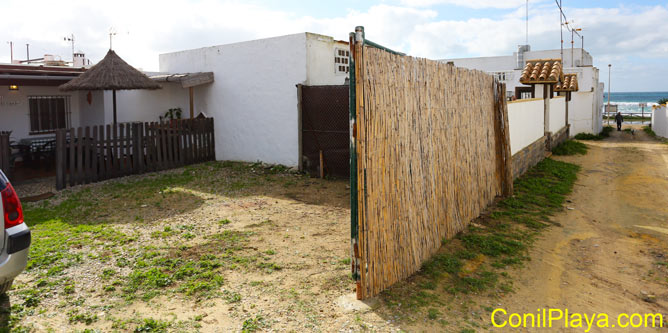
[[79, 60], [520, 55]]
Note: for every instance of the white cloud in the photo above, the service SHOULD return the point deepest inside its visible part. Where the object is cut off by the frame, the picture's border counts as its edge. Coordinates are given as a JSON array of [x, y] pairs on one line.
[[148, 28], [503, 4]]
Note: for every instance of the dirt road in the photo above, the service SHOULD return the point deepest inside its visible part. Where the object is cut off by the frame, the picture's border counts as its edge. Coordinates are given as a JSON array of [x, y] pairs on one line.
[[610, 253]]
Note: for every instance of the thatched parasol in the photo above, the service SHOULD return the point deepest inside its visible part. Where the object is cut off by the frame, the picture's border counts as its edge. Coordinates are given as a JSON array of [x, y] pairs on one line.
[[112, 73]]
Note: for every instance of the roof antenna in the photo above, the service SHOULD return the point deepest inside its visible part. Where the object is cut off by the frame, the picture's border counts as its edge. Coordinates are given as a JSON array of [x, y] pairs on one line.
[[527, 39], [112, 33]]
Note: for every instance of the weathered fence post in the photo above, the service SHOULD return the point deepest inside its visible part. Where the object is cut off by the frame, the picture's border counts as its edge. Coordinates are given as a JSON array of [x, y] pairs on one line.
[[61, 163], [137, 149], [503, 153]]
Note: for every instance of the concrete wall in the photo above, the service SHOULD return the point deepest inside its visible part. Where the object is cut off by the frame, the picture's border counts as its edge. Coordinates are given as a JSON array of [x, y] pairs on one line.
[[253, 98], [557, 114], [660, 121], [526, 121], [146, 105], [15, 111]]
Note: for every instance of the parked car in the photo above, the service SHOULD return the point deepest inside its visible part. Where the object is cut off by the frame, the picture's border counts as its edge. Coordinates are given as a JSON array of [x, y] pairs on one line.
[[16, 239]]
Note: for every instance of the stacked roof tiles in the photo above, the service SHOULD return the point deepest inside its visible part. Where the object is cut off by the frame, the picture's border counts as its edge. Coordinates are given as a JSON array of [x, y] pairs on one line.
[[570, 83], [542, 71]]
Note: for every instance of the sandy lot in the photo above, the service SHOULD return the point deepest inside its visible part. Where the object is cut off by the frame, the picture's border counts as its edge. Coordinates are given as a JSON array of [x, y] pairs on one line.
[[242, 247]]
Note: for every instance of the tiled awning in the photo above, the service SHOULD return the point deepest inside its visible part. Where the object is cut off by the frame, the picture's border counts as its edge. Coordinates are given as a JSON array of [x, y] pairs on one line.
[[547, 71], [570, 83]]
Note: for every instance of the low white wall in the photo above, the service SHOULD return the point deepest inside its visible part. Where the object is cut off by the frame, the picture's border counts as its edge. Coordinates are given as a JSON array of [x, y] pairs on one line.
[[557, 114], [660, 121], [526, 123]]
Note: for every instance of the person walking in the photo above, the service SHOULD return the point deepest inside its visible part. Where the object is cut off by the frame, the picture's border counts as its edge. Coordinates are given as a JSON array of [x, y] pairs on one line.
[[619, 118]]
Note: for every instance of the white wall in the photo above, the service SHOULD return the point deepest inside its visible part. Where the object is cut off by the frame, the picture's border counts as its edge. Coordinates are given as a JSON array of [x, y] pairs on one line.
[[253, 98], [146, 105], [526, 121], [320, 67], [580, 110], [91, 113], [15, 112], [660, 121], [557, 113]]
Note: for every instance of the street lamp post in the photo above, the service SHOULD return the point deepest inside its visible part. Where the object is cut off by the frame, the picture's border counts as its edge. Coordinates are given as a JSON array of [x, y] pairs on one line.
[[608, 110]]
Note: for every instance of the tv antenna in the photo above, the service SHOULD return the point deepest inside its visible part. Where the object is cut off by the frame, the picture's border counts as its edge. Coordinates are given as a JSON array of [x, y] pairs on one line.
[[112, 33], [70, 39]]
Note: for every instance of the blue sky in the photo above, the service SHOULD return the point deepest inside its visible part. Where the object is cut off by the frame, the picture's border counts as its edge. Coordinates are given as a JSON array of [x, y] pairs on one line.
[[632, 35]]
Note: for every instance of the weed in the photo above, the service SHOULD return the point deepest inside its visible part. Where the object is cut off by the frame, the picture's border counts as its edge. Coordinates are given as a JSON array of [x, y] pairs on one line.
[[152, 325], [433, 314], [224, 222], [231, 296], [87, 318], [588, 136], [570, 147], [253, 324]]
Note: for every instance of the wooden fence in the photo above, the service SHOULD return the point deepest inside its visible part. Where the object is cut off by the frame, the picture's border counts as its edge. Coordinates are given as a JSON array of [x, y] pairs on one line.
[[91, 154], [5, 154], [430, 151]]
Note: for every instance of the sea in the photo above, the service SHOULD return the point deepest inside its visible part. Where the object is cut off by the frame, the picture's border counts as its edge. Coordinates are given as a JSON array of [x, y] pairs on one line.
[[628, 102]]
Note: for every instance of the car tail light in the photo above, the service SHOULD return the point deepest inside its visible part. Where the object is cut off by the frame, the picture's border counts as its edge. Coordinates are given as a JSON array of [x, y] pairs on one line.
[[13, 212]]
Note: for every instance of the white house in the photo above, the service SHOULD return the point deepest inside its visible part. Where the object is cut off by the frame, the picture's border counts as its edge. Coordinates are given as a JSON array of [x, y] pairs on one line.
[[585, 107], [32, 106], [254, 97]]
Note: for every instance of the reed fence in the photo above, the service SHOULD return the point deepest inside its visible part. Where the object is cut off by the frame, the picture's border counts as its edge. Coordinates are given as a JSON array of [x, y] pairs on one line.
[[94, 153], [431, 151]]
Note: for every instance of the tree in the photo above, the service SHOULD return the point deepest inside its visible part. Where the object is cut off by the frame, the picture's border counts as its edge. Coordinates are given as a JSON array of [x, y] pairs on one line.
[[663, 101]]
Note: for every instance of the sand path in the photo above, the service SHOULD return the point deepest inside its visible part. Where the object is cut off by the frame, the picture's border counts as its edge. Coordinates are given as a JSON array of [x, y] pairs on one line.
[[605, 255]]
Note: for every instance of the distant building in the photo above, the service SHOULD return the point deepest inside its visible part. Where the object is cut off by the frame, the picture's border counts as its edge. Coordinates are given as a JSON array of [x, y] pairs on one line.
[[585, 107]]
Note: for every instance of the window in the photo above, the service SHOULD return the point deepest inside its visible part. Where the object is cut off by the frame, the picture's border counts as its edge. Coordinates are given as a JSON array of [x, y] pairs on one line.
[[48, 113], [500, 76], [341, 65]]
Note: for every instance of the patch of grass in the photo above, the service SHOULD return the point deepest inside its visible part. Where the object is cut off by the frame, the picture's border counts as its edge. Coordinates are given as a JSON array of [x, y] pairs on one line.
[[605, 132], [224, 222], [86, 318], [476, 260], [433, 314], [570, 147], [652, 134], [152, 325], [231, 296], [253, 324]]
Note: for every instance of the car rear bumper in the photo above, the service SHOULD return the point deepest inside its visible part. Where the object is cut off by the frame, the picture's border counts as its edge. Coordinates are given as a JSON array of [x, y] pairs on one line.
[[15, 258]]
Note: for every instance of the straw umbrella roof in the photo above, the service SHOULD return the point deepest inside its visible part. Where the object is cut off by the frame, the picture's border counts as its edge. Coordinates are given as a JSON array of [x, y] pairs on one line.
[[112, 73]]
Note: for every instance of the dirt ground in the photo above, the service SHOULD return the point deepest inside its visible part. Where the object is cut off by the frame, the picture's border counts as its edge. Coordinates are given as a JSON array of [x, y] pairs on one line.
[[609, 254]]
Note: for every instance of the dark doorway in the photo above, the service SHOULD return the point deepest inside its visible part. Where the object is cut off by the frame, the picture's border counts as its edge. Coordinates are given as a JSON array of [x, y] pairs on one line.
[[324, 126]]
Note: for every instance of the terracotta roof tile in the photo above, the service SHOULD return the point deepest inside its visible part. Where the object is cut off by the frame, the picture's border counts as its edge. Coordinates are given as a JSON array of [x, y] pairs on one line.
[[542, 71], [569, 83]]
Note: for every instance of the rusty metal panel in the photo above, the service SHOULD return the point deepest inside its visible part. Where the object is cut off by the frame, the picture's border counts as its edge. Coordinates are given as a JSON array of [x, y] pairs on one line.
[[325, 127]]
